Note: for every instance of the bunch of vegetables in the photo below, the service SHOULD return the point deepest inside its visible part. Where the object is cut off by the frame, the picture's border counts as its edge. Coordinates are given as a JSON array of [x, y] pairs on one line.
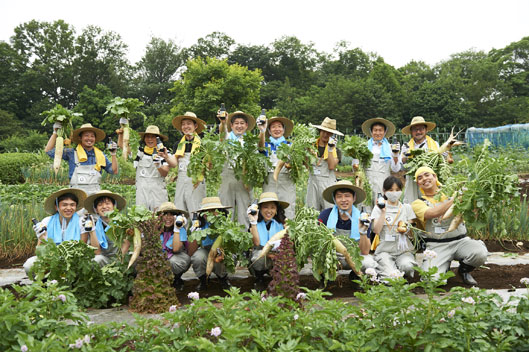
[[125, 108], [299, 155], [250, 166], [207, 162], [356, 148], [64, 116], [231, 240], [483, 187], [285, 275]]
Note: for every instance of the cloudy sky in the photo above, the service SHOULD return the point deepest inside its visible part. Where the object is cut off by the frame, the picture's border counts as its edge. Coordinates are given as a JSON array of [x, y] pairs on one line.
[[397, 30]]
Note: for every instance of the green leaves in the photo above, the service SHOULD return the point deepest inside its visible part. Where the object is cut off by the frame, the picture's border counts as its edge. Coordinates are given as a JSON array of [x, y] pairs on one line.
[[125, 108], [300, 154], [356, 147], [62, 115]]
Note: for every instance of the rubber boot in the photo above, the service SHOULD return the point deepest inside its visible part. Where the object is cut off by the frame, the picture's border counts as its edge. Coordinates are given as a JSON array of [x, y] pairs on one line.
[[178, 283], [464, 272], [225, 283], [259, 283], [203, 285]]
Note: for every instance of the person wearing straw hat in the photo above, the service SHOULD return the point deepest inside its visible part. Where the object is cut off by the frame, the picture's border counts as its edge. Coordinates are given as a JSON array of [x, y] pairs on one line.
[[344, 218], [199, 256], [63, 224], [266, 218], [152, 164], [448, 246], [418, 129], [99, 205], [322, 175], [86, 162], [188, 195], [272, 134], [174, 241], [233, 192], [379, 130]]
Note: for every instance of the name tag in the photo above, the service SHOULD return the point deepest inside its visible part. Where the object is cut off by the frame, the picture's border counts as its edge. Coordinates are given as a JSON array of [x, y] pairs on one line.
[[389, 238], [317, 171], [439, 229]]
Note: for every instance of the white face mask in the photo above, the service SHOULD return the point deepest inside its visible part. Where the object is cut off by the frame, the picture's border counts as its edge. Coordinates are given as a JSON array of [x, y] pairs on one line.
[[393, 196]]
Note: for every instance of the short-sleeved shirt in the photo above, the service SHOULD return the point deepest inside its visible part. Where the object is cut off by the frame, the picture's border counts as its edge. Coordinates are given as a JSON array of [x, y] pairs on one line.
[[420, 207], [341, 224], [69, 156], [389, 237]]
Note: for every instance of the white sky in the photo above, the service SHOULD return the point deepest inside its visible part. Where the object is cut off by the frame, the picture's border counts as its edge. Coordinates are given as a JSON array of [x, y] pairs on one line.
[[397, 30]]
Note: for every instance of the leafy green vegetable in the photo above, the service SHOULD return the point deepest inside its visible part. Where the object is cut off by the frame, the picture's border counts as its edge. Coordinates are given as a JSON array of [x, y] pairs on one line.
[[250, 166], [235, 239], [356, 147], [300, 154], [62, 115], [432, 159], [125, 108]]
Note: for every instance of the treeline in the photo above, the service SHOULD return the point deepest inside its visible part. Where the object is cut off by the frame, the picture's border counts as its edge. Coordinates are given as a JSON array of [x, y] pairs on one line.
[[45, 63]]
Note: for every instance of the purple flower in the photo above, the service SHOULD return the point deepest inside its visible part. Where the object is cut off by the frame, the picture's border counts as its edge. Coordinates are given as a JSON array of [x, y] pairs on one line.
[[216, 331], [193, 295], [524, 281], [86, 339], [301, 296], [468, 300], [172, 309], [451, 313], [52, 282], [78, 343], [61, 297], [24, 348]]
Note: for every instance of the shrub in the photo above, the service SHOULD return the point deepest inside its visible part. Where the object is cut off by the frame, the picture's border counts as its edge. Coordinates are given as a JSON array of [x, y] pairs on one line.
[[11, 165], [27, 142]]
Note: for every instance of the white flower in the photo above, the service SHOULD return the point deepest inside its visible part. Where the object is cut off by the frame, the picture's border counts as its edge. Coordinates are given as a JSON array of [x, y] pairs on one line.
[[216, 331], [52, 282], [396, 274], [172, 309], [61, 297], [300, 296], [78, 343], [296, 317], [468, 300], [371, 272], [524, 281], [193, 295], [429, 254], [442, 320], [86, 339], [263, 299], [24, 348], [451, 313]]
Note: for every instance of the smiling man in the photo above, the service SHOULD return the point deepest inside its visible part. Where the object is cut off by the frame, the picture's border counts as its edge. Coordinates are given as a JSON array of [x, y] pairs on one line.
[[453, 245], [86, 162]]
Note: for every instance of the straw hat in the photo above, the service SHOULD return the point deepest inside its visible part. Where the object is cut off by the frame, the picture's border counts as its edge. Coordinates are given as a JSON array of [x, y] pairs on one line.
[[119, 201], [287, 124], [250, 119], [272, 197], [177, 121], [328, 193], [418, 120], [169, 207], [210, 203], [328, 125], [153, 130], [49, 203], [76, 135], [390, 127]]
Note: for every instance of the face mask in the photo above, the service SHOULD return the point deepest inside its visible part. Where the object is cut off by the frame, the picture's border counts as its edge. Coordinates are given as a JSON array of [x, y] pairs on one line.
[[393, 196]]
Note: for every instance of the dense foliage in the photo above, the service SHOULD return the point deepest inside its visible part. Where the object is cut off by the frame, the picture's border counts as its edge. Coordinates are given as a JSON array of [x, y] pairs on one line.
[[300, 154], [249, 166], [12, 165], [285, 275]]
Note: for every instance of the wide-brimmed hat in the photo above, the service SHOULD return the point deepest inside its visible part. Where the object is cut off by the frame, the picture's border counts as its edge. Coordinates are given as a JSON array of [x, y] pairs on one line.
[[418, 120], [50, 202], [76, 135], [249, 118], [119, 201], [272, 197], [177, 121], [328, 193], [328, 125], [287, 125], [390, 127], [169, 207], [210, 203], [153, 130]]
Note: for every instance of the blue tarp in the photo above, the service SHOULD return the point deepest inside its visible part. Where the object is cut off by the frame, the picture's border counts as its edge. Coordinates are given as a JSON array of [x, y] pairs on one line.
[[503, 136]]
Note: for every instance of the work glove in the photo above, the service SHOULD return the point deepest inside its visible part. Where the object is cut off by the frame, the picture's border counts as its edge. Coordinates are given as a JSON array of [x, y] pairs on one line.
[[331, 144], [87, 223], [395, 148], [157, 160], [355, 164], [180, 222], [253, 211], [195, 225], [222, 115], [57, 125], [262, 123], [112, 147], [39, 229], [123, 121], [406, 149]]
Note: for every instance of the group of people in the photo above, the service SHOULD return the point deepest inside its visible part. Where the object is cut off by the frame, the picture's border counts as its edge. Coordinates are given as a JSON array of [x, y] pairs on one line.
[[336, 200]]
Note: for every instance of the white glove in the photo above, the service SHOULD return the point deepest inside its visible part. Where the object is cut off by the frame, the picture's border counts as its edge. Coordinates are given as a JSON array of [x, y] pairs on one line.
[[331, 143], [195, 225], [39, 229], [275, 244], [405, 148], [123, 121], [262, 123], [112, 147], [87, 223], [181, 219], [355, 163], [253, 218], [57, 125], [395, 148]]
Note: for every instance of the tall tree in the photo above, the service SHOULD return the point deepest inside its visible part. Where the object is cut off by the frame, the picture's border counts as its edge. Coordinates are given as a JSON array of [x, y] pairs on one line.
[[215, 44]]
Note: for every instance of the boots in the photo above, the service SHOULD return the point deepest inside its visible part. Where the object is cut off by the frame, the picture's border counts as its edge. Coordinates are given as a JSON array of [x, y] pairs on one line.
[[259, 283], [203, 285], [464, 272], [225, 283], [178, 283]]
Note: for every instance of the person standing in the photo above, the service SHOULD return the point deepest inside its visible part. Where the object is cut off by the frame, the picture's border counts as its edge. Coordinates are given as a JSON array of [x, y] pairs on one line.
[[322, 175], [86, 162], [275, 130], [379, 130], [187, 195]]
